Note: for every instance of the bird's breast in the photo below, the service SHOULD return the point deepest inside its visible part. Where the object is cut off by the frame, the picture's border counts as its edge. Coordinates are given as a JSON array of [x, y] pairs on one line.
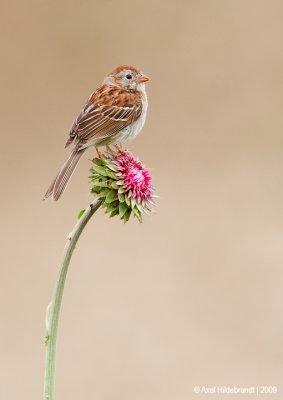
[[131, 131]]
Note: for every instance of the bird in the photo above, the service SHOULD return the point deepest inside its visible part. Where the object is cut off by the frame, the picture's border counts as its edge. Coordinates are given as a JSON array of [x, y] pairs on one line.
[[114, 112]]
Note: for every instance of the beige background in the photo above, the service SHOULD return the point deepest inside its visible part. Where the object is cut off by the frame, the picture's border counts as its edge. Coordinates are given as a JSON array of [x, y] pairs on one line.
[[194, 295]]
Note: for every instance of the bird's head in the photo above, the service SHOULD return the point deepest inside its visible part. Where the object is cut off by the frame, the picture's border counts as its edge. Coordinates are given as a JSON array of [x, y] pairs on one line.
[[127, 78]]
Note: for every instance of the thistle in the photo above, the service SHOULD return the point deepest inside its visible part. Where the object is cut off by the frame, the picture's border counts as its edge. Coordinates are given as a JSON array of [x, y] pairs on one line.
[[122, 184]]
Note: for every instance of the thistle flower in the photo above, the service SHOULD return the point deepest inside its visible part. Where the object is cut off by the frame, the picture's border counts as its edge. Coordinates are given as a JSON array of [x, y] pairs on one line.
[[122, 183]]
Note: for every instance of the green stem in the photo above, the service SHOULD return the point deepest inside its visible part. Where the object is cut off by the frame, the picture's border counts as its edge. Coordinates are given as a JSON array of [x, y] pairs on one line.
[[53, 310]]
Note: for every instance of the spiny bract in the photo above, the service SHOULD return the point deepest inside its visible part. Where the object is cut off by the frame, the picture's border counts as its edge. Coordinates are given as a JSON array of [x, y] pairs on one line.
[[122, 183]]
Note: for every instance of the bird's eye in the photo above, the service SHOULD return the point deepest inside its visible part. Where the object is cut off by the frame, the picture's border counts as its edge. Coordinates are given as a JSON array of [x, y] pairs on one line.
[[129, 76]]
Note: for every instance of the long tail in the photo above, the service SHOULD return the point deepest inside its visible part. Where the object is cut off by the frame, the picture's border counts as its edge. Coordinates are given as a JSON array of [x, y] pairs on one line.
[[59, 184]]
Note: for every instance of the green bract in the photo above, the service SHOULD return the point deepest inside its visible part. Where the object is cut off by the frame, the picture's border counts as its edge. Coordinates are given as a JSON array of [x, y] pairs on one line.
[[122, 183]]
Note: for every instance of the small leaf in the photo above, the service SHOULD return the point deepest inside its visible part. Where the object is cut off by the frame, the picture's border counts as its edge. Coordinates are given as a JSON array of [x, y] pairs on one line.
[[122, 209], [127, 215], [95, 189], [103, 193], [100, 170], [127, 200], [139, 207], [111, 166], [102, 182], [112, 206], [121, 197], [109, 207], [137, 214], [114, 185], [98, 161], [111, 196], [111, 174], [114, 212], [80, 214]]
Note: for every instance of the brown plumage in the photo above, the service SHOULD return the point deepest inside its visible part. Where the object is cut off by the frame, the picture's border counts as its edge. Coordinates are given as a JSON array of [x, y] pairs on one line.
[[113, 113]]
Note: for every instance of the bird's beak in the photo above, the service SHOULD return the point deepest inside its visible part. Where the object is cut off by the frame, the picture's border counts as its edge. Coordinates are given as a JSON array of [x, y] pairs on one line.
[[143, 79]]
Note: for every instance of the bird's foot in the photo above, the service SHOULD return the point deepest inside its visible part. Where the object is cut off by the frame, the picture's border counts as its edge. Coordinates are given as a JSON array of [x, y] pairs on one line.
[[118, 147], [99, 154]]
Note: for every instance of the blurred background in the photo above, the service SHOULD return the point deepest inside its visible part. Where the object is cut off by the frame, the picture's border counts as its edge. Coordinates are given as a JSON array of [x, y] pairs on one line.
[[193, 296]]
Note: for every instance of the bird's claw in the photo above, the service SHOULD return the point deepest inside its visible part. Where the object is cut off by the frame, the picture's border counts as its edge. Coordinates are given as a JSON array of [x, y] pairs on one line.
[[118, 147], [99, 154]]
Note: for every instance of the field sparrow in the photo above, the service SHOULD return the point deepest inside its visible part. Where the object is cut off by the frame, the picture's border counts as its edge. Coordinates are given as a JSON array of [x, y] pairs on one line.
[[115, 112]]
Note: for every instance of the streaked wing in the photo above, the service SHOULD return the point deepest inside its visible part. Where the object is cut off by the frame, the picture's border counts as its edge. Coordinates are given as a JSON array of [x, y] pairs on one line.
[[100, 121]]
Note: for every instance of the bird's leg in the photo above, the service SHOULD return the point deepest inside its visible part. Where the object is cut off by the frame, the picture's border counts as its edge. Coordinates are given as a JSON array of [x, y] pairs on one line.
[[118, 146], [98, 152]]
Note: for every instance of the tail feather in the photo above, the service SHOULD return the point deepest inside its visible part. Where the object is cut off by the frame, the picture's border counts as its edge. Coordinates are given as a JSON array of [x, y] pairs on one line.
[[59, 184]]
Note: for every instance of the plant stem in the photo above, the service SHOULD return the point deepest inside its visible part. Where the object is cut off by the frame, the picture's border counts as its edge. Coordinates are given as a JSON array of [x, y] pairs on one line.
[[53, 310]]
